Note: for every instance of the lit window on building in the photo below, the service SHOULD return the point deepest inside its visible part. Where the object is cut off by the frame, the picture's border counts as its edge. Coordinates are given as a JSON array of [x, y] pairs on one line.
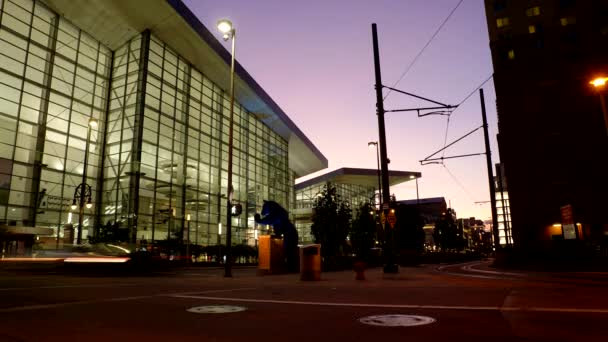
[[567, 21], [532, 29], [502, 22], [533, 11], [511, 54]]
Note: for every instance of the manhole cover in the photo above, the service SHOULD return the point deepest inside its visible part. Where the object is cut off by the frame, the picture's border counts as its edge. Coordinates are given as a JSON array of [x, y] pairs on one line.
[[396, 320], [216, 309]]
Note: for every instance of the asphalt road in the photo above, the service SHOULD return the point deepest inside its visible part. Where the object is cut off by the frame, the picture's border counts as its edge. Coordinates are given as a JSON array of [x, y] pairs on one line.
[[468, 302]]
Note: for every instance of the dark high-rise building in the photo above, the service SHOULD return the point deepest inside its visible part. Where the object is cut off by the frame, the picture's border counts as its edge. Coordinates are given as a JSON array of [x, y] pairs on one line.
[[552, 135]]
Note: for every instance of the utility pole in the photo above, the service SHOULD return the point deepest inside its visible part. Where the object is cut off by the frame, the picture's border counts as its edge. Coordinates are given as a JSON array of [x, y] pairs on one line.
[[490, 172], [389, 258]]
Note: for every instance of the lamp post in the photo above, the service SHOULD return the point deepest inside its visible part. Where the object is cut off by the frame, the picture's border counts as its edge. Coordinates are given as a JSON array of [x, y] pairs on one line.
[[390, 266], [82, 193], [600, 84], [375, 143], [188, 259], [228, 31], [417, 195]]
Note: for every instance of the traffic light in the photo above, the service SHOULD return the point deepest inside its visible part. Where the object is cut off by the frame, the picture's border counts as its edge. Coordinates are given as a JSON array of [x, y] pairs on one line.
[[236, 209]]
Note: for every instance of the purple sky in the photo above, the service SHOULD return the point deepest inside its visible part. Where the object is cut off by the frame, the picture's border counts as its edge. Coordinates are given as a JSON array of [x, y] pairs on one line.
[[315, 60]]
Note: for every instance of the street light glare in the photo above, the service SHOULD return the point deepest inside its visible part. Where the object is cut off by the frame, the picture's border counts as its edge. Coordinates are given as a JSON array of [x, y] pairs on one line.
[[225, 26], [93, 123], [599, 82]]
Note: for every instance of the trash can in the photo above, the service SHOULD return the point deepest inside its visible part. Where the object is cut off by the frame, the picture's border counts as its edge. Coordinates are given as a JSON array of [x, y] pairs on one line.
[[310, 262]]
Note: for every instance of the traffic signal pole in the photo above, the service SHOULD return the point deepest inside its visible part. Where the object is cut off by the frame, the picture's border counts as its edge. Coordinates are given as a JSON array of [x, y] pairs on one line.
[[486, 137], [389, 254]]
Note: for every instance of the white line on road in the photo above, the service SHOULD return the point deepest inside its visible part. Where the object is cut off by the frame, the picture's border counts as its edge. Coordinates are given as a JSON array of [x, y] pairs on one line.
[[397, 306], [95, 301], [64, 287], [471, 269]]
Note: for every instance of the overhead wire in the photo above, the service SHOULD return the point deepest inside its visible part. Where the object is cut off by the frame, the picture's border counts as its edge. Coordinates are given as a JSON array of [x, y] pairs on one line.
[[409, 67], [447, 126], [476, 89], [458, 182]]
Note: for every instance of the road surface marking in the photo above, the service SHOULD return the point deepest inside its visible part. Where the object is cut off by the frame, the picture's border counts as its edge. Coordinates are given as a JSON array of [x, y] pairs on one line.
[[396, 320], [468, 267], [216, 309], [398, 306], [471, 269], [95, 301], [59, 305], [65, 286]]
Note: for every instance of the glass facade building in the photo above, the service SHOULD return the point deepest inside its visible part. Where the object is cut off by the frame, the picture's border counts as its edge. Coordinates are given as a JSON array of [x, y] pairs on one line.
[[354, 186], [353, 194], [160, 152]]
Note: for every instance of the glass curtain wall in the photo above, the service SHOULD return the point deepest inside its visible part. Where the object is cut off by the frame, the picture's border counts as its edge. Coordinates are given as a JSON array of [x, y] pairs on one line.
[[164, 139], [53, 79], [168, 146], [353, 194], [504, 218]]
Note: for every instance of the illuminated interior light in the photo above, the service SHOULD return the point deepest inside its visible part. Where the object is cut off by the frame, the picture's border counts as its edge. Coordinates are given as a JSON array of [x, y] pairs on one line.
[[96, 260]]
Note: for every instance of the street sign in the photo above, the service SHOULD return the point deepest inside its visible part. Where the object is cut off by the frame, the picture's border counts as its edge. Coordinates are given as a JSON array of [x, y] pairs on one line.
[[568, 227], [567, 214], [392, 219], [382, 219]]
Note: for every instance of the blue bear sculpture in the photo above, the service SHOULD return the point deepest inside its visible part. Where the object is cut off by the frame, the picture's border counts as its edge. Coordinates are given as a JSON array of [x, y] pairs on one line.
[[275, 215]]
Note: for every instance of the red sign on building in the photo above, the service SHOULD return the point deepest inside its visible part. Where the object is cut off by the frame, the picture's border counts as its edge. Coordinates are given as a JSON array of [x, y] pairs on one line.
[[567, 214]]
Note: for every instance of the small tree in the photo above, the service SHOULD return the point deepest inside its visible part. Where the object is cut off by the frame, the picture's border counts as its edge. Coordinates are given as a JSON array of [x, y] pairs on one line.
[[409, 227], [330, 221], [446, 232], [363, 231]]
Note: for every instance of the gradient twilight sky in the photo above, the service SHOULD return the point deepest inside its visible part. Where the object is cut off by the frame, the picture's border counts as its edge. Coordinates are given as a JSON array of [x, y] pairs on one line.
[[315, 59]]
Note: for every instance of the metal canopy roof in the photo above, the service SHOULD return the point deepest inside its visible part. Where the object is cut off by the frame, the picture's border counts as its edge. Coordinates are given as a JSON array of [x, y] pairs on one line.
[[366, 177], [114, 22]]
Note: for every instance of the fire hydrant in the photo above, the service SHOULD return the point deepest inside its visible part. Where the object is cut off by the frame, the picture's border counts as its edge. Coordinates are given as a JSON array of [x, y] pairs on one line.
[[359, 268]]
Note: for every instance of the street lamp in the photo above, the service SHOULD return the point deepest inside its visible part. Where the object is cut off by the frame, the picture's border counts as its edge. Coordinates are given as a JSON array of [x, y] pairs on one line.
[[188, 259], [370, 144], [600, 84], [417, 195], [228, 31], [82, 193]]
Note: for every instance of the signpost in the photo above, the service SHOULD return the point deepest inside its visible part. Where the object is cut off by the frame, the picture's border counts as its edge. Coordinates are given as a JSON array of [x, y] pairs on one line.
[[392, 219]]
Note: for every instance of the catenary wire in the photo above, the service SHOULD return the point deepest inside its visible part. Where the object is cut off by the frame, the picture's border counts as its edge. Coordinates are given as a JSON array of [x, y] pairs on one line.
[[447, 126], [458, 182], [476, 89], [423, 48]]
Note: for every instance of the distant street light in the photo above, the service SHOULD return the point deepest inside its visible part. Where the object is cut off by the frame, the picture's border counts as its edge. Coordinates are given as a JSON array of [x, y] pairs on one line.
[[188, 258], [600, 85], [82, 193], [370, 144], [225, 26], [417, 195]]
